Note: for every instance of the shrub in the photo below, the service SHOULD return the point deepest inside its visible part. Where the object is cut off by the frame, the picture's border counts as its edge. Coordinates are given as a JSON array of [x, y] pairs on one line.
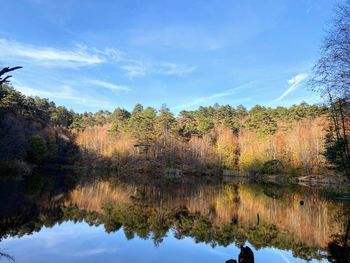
[[253, 166], [294, 172], [272, 167]]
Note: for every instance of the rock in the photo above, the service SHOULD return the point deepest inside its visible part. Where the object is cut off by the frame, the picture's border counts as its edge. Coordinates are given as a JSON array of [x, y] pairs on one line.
[[231, 261]]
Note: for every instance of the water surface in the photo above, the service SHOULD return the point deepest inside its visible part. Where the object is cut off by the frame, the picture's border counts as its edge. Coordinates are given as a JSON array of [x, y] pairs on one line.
[[69, 218]]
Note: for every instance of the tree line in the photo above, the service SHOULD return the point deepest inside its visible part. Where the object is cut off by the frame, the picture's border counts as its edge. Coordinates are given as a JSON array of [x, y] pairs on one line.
[[218, 136]]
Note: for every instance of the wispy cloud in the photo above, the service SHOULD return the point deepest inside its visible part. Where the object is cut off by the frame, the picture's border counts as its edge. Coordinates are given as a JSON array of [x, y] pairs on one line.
[[107, 85], [82, 55], [225, 93], [293, 85], [135, 68], [167, 68]]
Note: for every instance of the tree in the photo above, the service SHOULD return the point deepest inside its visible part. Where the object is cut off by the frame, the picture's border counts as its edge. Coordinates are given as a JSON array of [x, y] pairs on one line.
[[187, 125], [120, 118], [165, 124], [227, 116], [204, 117], [61, 116], [261, 120], [147, 125], [331, 78], [141, 124]]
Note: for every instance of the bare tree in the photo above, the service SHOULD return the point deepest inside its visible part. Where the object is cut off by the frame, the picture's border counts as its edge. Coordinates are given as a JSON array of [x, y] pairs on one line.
[[331, 78]]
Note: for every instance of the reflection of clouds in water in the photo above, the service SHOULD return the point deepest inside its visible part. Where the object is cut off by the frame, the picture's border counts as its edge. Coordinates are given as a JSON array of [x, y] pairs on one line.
[[285, 259], [94, 252], [218, 250], [60, 233]]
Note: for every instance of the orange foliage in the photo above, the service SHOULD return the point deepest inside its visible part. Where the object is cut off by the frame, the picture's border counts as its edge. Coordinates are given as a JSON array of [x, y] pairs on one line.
[[297, 145], [300, 146], [99, 140]]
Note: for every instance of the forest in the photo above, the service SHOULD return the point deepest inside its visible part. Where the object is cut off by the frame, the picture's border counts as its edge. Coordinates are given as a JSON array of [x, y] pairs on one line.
[[220, 137]]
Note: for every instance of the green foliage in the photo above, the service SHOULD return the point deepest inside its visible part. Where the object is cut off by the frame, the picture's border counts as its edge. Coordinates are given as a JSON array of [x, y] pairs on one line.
[[187, 124], [119, 119], [61, 116], [250, 164], [204, 119], [261, 120], [88, 119], [38, 150], [33, 107], [272, 167], [165, 123], [295, 171], [142, 124], [228, 117], [334, 153]]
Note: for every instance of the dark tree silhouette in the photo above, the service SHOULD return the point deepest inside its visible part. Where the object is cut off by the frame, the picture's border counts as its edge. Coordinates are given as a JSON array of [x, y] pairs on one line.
[[4, 71]]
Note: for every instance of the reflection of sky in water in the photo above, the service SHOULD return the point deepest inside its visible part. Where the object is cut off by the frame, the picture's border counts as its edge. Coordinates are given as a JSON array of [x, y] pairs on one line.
[[79, 242]]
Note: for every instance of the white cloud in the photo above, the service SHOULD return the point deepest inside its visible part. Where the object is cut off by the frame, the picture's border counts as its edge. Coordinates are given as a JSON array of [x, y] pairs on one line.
[[107, 85], [86, 56], [135, 69], [294, 83], [167, 68], [80, 56]]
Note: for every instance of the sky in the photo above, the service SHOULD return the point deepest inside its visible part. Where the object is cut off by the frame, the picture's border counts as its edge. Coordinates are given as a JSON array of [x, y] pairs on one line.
[[79, 242], [102, 54]]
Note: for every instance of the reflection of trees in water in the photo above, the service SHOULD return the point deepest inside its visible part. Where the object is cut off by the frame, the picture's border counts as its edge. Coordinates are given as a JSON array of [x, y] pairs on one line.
[[214, 214], [309, 223]]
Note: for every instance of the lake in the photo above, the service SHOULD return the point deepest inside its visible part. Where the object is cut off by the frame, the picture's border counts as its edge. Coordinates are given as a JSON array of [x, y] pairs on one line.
[[70, 217]]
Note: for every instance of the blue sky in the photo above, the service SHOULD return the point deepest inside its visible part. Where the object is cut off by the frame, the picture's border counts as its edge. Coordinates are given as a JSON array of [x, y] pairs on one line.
[[102, 54], [69, 242]]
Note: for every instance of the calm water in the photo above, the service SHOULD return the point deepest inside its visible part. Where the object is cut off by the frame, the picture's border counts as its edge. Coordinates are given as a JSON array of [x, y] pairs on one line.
[[71, 218]]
